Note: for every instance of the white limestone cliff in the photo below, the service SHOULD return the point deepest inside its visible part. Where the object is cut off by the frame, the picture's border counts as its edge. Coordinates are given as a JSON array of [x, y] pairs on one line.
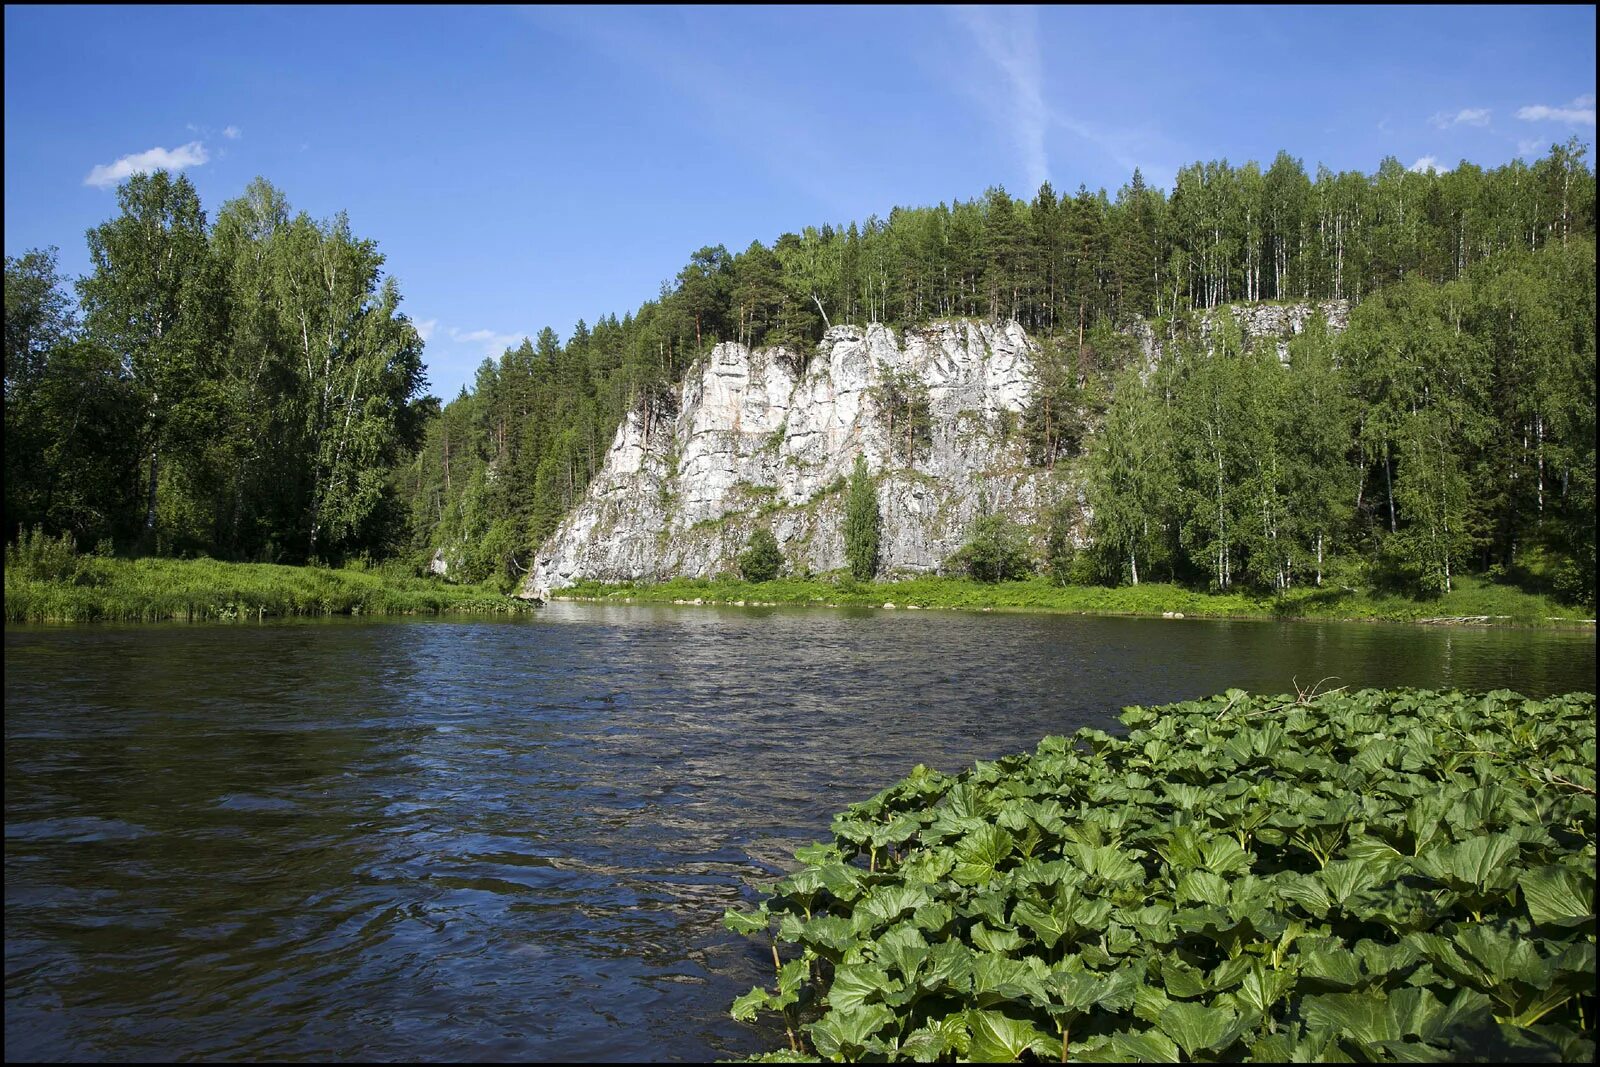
[[754, 440]]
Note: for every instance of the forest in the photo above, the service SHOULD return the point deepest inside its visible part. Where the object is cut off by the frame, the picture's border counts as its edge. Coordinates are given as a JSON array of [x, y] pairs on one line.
[[249, 389]]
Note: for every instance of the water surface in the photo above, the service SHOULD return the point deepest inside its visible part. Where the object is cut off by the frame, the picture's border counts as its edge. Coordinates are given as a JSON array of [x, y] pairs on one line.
[[497, 840]]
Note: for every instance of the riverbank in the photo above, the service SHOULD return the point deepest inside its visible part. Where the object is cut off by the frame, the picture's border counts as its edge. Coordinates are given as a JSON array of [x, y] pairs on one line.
[[1473, 601], [157, 590]]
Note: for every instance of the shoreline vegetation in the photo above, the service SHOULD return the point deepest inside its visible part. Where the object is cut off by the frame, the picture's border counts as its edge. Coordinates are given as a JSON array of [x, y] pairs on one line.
[[90, 588], [98, 589], [1370, 876], [1473, 601]]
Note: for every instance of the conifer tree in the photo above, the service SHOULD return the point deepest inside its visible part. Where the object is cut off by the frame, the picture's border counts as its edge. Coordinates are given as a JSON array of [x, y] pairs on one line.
[[762, 559], [862, 525]]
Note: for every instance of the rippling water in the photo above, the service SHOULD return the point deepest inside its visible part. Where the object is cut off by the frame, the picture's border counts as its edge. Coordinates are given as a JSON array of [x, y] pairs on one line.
[[516, 840]]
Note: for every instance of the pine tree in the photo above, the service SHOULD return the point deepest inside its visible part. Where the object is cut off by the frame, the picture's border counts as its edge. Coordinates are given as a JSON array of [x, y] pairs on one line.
[[762, 559], [862, 524]]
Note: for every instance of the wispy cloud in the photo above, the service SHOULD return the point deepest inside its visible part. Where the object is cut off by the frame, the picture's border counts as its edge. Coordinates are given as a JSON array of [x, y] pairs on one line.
[[1427, 163], [493, 343], [107, 175], [424, 328], [232, 133], [1009, 38], [1578, 113], [1011, 87], [1467, 116]]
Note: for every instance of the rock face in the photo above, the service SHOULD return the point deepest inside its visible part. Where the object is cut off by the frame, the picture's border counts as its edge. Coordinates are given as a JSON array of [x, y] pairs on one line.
[[756, 440], [1277, 322], [753, 441]]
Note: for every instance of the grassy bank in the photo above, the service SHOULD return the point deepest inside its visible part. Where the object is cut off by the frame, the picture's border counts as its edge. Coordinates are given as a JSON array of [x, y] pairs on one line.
[[152, 590], [1473, 599]]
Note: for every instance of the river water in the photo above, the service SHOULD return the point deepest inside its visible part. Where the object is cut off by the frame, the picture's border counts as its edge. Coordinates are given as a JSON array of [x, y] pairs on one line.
[[464, 840]]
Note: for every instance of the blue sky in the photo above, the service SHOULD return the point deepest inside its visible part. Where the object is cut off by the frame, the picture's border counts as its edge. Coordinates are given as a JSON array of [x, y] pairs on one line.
[[530, 167]]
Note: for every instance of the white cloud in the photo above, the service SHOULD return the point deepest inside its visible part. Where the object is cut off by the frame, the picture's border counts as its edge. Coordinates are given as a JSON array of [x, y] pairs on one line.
[[1467, 116], [106, 175], [232, 133], [1578, 113], [424, 328], [1425, 164], [493, 343]]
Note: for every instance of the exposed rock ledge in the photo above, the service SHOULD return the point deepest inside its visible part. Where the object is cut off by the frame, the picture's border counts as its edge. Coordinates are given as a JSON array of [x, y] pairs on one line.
[[754, 441]]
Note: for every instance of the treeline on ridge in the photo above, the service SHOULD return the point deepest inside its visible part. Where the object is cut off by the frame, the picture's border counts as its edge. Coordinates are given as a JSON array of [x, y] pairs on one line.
[[507, 459], [284, 419]]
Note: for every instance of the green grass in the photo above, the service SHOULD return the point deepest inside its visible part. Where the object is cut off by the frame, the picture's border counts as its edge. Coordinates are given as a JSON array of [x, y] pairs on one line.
[[1472, 597], [153, 590]]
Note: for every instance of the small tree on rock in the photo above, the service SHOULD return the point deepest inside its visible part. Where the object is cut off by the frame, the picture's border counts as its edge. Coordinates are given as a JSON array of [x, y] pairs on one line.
[[861, 523], [762, 559]]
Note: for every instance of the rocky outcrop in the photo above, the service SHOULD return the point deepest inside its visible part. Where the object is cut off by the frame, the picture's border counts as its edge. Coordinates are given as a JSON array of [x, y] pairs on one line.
[[766, 436], [755, 439], [1277, 323]]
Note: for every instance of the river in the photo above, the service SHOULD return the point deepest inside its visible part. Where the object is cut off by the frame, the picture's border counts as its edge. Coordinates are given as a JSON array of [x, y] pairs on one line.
[[515, 840]]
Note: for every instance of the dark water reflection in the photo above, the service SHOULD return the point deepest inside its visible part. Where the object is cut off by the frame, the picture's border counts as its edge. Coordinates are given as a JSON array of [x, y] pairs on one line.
[[515, 840]]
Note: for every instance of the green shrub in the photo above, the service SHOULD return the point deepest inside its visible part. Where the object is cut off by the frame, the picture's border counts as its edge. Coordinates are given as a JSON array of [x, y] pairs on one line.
[[42, 558], [1380, 875], [762, 559], [997, 551], [1572, 584]]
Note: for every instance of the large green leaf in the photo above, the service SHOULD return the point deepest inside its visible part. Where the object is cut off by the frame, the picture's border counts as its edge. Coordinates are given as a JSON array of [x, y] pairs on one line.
[[903, 948], [883, 904], [929, 1043], [990, 939], [1559, 896], [1263, 987], [948, 967], [1363, 1016], [745, 1007], [1225, 856], [857, 984], [746, 922], [1346, 878], [1146, 1046], [997, 979], [979, 855], [845, 1034], [1106, 862], [828, 934], [1000, 1038], [1203, 886], [1196, 1027], [1333, 966], [1479, 862]]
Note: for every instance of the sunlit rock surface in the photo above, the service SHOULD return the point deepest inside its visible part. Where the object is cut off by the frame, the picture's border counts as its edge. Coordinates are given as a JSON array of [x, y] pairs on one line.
[[756, 439]]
